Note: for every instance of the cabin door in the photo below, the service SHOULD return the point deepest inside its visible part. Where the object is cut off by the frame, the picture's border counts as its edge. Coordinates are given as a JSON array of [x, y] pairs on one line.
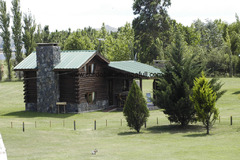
[[110, 91]]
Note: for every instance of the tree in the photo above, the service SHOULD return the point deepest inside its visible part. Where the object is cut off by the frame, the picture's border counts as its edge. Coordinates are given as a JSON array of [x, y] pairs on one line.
[[38, 37], [211, 35], [76, 41], [135, 109], [216, 87], [46, 34], [204, 99], [1, 71], [4, 25], [17, 31], [175, 85], [121, 47], [59, 37], [152, 22], [28, 35]]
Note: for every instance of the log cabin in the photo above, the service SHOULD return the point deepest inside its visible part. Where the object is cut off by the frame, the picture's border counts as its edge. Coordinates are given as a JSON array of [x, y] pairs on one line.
[[81, 80]]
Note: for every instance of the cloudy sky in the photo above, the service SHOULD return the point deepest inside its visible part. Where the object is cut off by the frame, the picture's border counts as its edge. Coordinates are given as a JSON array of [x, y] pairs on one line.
[[74, 14]]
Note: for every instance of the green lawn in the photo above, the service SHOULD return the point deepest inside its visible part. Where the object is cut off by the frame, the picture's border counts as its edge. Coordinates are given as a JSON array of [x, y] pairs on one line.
[[162, 141]]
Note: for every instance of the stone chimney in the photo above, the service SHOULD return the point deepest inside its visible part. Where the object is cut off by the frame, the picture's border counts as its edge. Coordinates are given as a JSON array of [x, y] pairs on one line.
[[48, 56]]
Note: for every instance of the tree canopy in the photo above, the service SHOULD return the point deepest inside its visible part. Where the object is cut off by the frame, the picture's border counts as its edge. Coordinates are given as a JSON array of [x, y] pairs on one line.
[[174, 87], [152, 22], [5, 34], [204, 99]]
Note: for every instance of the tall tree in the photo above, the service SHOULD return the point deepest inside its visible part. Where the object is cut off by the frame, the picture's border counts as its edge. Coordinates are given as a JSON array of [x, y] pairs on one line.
[[28, 35], [4, 25], [121, 47], [174, 87], [46, 34], [17, 31], [135, 109], [228, 51], [204, 99], [152, 22], [38, 35]]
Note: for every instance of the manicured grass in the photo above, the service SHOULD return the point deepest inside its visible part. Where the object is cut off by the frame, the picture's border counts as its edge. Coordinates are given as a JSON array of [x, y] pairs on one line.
[[157, 141]]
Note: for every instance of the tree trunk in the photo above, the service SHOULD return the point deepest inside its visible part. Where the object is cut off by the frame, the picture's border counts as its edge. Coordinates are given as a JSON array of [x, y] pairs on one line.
[[9, 70], [19, 73], [207, 126]]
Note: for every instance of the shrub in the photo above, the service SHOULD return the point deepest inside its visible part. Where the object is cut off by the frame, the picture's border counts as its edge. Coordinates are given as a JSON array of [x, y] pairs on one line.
[[135, 109]]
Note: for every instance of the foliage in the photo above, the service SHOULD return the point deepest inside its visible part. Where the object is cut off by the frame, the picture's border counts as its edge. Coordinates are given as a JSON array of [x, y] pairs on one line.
[[28, 34], [77, 41], [216, 62], [121, 47], [46, 34], [204, 99], [38, 37], [216, 86], [152, 22], [17, 31], [174, 86], [4, 25], [59, 37], [211, 36], [135, 109]]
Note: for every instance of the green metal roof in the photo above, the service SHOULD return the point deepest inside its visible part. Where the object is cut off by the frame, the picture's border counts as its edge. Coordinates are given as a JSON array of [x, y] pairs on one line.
[[74, 59], [28, 63], [69, 60], [77, 58], [136, 68]]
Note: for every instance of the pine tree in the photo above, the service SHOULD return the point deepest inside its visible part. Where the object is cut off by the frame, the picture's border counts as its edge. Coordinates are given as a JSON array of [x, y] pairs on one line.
[[216, 87], [17, 31], [135, 109], [4, 25], [174, 87], [204, 99]]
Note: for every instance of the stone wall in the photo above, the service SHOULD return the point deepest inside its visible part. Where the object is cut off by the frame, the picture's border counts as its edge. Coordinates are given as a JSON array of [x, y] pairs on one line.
[[48, 56], [31, 107], [85, 107]]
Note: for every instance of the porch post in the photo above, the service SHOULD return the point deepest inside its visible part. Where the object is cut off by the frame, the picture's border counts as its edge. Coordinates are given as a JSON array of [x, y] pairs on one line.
[[140, 79]]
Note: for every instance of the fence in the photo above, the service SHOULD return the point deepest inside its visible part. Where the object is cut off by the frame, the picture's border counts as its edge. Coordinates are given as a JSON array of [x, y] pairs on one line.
[[100, 124]]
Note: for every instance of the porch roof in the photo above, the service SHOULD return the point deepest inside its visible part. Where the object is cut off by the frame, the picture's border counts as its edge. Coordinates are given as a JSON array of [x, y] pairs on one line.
[[138, 68]]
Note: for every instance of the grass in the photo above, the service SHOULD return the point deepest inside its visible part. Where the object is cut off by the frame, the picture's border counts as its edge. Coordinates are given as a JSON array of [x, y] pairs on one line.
[[157, 141]]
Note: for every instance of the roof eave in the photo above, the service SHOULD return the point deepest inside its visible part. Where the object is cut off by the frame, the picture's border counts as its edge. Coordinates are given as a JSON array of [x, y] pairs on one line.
[[89, 59], [25, 69], [64, 69]]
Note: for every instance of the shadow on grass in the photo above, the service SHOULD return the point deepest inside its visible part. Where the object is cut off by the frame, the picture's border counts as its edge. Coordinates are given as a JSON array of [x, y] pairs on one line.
[[197, 135], [27, 114], [173, 129], [238, 92], [129, 133]]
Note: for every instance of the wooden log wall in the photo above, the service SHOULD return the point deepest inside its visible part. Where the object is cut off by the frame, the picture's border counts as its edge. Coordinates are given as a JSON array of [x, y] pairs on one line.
[[95, 82], [68, 86], [30, 87]]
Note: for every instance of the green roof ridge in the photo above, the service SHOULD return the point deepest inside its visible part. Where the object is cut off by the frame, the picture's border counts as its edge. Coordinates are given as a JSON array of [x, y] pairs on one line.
[[78, 51]]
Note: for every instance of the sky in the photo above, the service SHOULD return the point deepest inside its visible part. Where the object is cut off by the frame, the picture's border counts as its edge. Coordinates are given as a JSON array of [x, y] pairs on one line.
[[77, 14]]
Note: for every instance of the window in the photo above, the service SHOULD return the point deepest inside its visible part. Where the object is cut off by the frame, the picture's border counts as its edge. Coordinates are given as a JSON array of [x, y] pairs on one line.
[[125, 86], [90, 97], [90, 68]]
